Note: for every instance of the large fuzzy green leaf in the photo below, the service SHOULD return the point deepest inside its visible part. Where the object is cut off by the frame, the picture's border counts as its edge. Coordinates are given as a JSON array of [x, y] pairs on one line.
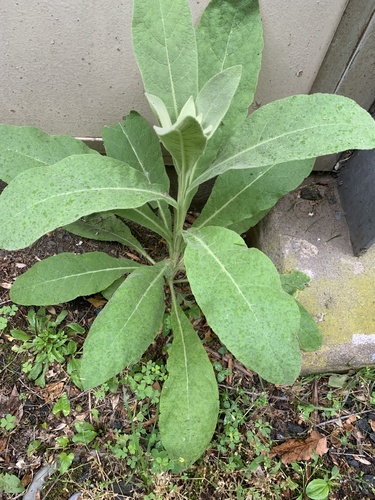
[[243, 194], [125, 327], [65, 276], [245, 224], [135, 142], [189, 400], [185, 141], [239, 291], [40, 200], [105, 227], [22, 148], [165, 49], [229, 34], [294, 128]]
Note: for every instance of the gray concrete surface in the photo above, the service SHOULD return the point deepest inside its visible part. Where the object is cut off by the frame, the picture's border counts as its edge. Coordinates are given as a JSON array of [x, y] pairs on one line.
[[68, 67], [312, 236]]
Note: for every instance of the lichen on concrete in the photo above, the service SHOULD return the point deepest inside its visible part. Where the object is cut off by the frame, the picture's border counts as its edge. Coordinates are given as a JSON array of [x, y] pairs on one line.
[[312, 236]]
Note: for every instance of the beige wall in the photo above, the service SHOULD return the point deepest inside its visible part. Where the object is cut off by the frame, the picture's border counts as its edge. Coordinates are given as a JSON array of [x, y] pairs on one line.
[[67, 66]]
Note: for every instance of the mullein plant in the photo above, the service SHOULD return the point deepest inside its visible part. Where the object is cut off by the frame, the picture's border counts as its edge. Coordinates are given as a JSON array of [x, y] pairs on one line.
[[199, 83]]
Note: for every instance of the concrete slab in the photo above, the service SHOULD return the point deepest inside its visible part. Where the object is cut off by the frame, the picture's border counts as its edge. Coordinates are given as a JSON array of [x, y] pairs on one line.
[[312, 235]]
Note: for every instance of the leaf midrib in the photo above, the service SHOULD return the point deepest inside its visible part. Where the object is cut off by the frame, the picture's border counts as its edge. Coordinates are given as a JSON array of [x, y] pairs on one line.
[[225, 271], [137, 306], [91, 189], [215, 168], [185, 364], [231, 200], [77, 275], [168, 60]]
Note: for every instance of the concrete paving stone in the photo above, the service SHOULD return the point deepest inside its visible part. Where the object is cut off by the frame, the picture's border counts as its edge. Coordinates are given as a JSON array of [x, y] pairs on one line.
[[312, 235]]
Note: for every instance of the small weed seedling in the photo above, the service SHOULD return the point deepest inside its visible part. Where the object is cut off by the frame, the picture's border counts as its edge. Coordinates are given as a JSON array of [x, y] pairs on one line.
[[8, 422], [199, 83], [9, 483], [6, 312], [47, 343]]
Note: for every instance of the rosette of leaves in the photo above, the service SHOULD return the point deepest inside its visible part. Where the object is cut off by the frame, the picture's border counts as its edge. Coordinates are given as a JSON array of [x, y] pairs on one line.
[[199, 83]]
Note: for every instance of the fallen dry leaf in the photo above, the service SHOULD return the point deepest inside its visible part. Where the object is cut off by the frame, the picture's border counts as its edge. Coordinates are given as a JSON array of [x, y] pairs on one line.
[[348, 424], [5, 285], [98, 301], [52, 391], [13, 401], [20, 265], [361, 460], [26, 480], [156, 386], [301, 449], [3, 444], [132, 256]]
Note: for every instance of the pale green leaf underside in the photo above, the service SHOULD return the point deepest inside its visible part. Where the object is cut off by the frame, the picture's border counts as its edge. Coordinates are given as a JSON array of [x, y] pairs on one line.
[[165, 49], [22, 148], [146, 217], [239, 291], [159, 109], [189, 400], [245, 224], [214, 98], [125, 327], [108, 292], [243, 194], [294, 128], [65, 276], [40, 200], [185, 141], [105, 227]]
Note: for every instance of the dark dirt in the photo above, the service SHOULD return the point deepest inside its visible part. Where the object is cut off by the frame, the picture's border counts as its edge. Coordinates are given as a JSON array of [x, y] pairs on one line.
[[33, 405]]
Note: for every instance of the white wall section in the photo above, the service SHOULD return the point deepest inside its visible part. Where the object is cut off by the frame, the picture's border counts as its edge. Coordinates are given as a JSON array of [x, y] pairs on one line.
[[67, 66]]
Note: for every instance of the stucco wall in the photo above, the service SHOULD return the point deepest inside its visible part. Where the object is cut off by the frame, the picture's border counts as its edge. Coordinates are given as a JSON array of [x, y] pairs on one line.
[[67, 66]]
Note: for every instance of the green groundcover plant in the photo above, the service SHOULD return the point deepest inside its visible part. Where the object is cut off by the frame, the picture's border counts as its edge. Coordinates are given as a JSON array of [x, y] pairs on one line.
[[199, 83]]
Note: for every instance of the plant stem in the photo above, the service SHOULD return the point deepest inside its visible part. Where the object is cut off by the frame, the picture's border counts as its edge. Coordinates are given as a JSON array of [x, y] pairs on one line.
[[180, 214]]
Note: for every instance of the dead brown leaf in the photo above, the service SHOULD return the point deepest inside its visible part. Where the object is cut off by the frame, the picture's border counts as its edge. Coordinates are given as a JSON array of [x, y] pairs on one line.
[[13, 400], [26, 480], [156, 386], [3, 444], [301, 449], [361, 460], [52, 391], [132, 256], [98, 301]]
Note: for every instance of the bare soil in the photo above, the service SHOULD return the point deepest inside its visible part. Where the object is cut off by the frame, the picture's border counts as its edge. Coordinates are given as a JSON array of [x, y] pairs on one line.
[[349, 431]]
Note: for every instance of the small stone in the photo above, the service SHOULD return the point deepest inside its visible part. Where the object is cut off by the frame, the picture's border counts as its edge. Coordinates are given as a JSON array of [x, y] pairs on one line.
[[295, 429], [310, 193], [363, 425], [354, 463]]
